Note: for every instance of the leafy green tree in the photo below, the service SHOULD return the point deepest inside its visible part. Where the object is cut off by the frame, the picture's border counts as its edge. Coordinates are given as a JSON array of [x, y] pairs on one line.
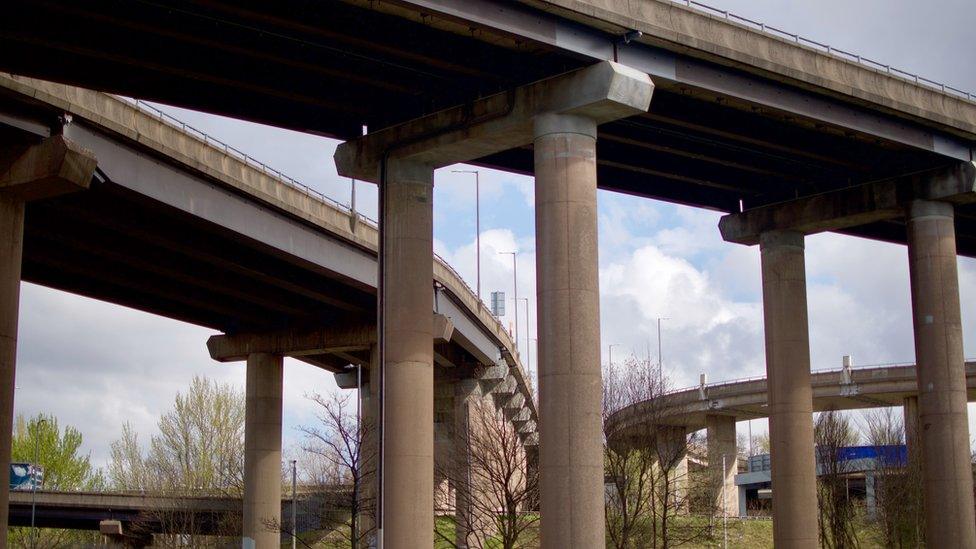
[[199, 452], [58, 452]]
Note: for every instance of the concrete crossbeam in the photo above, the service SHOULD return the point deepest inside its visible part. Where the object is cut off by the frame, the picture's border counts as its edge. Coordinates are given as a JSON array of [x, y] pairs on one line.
[[53, 167], [237, 347], [602, 92], [852, 206]]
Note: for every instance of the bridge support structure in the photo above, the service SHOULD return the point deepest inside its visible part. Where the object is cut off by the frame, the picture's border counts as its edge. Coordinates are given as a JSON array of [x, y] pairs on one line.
[[466, 393], [262, 450], [943, 425], [720, 433], [790, 393], [926, 200], [53, 167], [559, 115]]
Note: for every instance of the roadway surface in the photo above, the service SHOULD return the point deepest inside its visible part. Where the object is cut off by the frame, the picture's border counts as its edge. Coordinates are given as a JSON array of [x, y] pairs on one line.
[[868, 387]]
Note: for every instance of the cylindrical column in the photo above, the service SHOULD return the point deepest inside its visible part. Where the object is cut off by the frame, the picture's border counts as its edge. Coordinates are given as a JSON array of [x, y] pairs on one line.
[[369, 452], [571, 449], [910, 420], [406, 298], [790, 394], [720, 432], [11, 249], [466, 512], [943, 429], [262, 450]]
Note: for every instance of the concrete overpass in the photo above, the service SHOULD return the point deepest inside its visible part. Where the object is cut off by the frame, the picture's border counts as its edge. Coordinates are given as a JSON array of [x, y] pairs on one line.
[[175, 224], [786, 136]]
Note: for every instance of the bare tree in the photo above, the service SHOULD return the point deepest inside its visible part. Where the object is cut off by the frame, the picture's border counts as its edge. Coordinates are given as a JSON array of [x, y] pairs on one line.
[[832, 432], [197, 454], [338, 460], [630, 466], [646, 463], [494, 470], [897, 482]]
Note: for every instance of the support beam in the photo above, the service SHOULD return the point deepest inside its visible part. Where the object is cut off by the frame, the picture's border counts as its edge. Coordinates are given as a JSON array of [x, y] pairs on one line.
[[853, 206], [602, 92], [720, 432], [790, 394], [262, 450], [406, 294], [568, 289], [55, 166], [466, 520], [366, 495], [943, 427]]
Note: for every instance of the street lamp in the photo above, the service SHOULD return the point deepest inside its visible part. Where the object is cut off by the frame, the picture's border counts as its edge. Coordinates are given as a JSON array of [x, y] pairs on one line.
[[477, 224], [660, 363], [528, 345], [33, 471], [294, 503], [515, 284]]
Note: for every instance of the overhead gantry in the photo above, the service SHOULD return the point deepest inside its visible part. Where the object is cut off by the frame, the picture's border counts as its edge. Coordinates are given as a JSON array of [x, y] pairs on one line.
[[559, 117]]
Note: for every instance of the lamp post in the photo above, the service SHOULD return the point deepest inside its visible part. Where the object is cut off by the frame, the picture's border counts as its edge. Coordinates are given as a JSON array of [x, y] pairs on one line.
[[477, 224], [660, 361], [33, 472], [294, 503], [515, 289], [610, 352], [528, 345]]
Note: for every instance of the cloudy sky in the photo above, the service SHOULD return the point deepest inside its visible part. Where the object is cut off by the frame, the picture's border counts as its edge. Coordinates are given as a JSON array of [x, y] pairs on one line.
[[96, 365]]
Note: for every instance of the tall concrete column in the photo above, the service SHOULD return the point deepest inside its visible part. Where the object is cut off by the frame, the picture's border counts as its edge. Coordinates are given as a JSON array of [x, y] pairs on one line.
[[466, 516], [11, 249], [406, 296], [910, 421], [790, 394], [943, 429], [720, 432], [672, 457], [570, 384], [262, 450], [369, 452]]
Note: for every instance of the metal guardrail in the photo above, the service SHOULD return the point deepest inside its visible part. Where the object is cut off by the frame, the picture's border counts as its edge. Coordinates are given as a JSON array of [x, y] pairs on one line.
[[830, 50], [208, 139]]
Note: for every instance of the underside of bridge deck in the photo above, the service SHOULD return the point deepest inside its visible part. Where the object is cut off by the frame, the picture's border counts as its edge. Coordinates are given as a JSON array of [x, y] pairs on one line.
[[333, 67]]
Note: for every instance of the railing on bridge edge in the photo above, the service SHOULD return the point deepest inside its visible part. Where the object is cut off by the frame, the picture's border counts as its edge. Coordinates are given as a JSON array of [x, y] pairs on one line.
[[830, 50], [208, 139]]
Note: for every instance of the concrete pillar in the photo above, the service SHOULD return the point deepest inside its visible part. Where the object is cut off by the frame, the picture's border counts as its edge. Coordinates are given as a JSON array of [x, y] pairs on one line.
[[672, 455], [943, 429], [910, 420], [743, 502], [466, 512], [369, 453], [11, 249], [720, 432], [571, 448], [406, 297], [262, 450], [790, 394]]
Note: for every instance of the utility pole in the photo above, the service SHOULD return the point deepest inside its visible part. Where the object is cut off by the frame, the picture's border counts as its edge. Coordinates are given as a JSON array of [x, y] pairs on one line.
[[477, 224], [515, 288]]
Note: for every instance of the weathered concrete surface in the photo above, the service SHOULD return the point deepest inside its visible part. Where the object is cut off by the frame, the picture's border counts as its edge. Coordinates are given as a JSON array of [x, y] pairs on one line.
[[11, 250], [262, 450], [408, 355], [602, 92], [568, 290], [852, 206], [790, 396], [170, 141], [721, 443], [232, 348], [53, 167], [713, 38], [947, 478], [910, 420]]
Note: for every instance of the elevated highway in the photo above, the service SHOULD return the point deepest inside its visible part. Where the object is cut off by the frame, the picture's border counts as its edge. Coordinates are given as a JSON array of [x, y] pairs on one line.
[[786, 136], [857, 388]]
